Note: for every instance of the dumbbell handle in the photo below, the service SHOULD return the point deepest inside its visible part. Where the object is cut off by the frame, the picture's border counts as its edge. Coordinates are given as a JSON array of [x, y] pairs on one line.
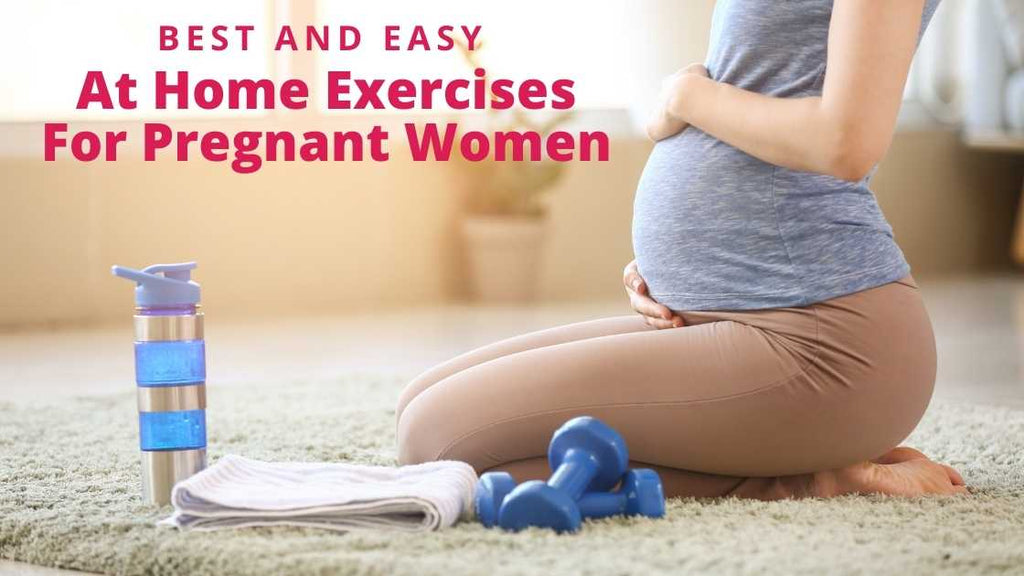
[[574, 474], [602, 504]]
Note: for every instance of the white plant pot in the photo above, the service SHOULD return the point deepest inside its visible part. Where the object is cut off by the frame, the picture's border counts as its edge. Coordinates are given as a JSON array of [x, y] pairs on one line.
[[504, 257]]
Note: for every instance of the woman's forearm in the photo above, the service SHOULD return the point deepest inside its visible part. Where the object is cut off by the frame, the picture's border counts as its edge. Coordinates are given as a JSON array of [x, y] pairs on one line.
[[796, 133], [842, 133]]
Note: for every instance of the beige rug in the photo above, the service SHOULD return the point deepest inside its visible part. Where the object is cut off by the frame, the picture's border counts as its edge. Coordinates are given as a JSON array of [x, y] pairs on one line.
[[69, 497]]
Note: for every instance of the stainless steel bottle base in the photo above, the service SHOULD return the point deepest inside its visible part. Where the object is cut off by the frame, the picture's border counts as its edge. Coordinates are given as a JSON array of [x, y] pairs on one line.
[[162, 470]]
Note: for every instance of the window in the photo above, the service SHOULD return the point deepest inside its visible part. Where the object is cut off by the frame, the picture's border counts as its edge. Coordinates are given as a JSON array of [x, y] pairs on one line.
[[933, 90]]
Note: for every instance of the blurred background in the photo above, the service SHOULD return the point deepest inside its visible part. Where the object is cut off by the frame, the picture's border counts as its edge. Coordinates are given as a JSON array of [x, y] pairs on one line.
[[341, 237], [373, 261]]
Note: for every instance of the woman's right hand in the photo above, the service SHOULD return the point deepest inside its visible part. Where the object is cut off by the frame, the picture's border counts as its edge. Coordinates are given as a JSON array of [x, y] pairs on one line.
[[656, 315], [664, 121]]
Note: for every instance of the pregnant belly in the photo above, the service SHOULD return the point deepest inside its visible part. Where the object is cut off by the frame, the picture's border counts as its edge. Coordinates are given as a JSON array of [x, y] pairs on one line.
[[704, 223]]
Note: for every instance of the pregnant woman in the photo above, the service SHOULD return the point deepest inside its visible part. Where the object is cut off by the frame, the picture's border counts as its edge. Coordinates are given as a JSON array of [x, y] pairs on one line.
[[781, 347]]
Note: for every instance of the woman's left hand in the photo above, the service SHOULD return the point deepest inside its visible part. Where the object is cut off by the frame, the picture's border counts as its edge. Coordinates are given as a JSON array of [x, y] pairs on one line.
[[655, 315], [664, 122]]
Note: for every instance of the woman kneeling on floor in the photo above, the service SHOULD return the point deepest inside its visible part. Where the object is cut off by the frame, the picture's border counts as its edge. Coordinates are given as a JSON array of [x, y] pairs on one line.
[[782, 348]]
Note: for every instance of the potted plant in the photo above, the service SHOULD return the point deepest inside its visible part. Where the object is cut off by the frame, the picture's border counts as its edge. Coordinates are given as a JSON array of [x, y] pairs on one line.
[[504, 222]]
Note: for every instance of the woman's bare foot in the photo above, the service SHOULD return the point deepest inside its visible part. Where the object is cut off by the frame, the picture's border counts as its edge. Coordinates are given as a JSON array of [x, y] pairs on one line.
[[902, 471]]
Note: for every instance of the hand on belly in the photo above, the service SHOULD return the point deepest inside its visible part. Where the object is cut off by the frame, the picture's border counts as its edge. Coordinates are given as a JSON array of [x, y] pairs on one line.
[[656, 315]]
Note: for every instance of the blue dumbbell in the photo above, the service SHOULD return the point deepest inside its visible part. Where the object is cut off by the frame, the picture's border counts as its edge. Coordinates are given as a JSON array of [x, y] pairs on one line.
[[585, 454], [640, 494], [491, 490]]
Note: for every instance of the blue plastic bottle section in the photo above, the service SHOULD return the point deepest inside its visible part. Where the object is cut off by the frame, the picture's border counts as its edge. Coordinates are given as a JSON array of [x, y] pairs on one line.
[[181, 430], [170, 363], [173, 363]]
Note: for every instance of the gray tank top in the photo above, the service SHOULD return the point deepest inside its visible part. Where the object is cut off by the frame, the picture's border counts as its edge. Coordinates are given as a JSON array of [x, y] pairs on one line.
[[717, 229]]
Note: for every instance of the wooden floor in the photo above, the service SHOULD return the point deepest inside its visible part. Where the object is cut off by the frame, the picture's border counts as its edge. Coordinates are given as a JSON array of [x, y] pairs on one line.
[[979, 326]]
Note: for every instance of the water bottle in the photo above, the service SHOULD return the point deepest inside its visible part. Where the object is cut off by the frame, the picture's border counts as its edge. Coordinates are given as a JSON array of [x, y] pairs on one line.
[[170, 370]]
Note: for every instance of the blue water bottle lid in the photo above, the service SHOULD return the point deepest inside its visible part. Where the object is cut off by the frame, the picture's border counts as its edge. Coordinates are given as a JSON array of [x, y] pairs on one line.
[[162, 284]]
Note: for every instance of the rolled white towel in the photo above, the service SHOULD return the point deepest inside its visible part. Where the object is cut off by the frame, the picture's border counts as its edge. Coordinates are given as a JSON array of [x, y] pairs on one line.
[[238, 492]]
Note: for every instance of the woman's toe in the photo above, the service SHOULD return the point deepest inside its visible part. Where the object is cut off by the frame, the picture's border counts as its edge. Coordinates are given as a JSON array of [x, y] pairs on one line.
[[954, 476]]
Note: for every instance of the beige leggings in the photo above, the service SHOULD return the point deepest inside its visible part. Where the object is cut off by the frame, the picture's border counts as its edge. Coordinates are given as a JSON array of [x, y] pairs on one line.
[[730, 398]]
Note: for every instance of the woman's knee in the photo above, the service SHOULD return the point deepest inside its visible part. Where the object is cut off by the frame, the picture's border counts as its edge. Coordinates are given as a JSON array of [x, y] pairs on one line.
[[415, 442], [430, 426], [426, 380], [449, 421], [412, 390]]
